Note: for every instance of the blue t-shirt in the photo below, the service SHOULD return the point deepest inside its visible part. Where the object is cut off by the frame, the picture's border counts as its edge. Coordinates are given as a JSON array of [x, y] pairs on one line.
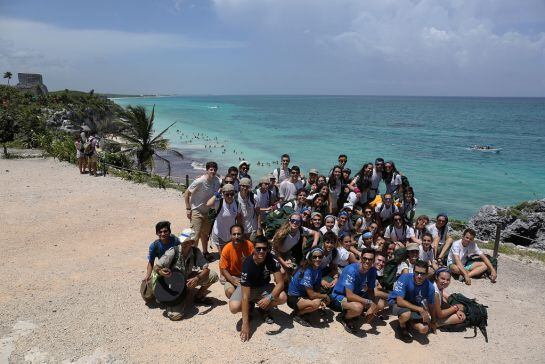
[[406, 288], [157, 249], [353, 279], [312, 278]]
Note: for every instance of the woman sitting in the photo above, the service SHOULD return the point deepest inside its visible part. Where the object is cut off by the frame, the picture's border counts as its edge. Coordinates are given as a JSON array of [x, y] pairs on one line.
[[444, 313], [304, 294]]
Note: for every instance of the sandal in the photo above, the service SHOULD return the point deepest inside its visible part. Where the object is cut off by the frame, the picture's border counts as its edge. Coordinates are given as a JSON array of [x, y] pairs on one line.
[[404, 335], [266, 316], [349, 325]]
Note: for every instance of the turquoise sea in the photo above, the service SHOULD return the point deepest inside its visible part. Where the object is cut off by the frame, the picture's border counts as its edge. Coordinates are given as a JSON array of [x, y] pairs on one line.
[[427, 138]]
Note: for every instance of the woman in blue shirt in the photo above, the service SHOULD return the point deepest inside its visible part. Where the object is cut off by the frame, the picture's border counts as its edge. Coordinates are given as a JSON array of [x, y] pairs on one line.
[[304, 290]]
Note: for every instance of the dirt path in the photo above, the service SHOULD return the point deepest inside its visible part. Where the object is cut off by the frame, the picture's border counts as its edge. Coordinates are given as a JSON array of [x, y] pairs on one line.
[[74, 248]]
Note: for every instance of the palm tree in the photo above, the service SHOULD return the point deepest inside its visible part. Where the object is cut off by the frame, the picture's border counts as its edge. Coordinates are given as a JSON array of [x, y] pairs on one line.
[[140, 140], [8, 75]]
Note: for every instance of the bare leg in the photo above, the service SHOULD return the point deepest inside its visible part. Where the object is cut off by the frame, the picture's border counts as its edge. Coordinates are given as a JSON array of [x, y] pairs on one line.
[[477, 269], [306, 305], [353, 309]]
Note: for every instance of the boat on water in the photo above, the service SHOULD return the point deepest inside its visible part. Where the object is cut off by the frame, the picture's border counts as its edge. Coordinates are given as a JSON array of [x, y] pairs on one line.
[[485, 148]]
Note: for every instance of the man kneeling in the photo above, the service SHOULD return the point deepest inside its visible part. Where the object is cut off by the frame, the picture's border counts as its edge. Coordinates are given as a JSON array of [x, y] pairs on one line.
[[355, 290], [185, 262], [412, 299], [255, 286]]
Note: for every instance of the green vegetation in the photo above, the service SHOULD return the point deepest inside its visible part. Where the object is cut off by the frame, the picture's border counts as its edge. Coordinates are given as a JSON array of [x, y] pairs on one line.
[[23, 125], [523, 253], [517, 211]]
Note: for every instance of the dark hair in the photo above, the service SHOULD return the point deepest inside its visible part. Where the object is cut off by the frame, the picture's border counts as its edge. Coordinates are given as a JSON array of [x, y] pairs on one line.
[[332, 182], [368, 251], [211, 165], [381, 254], [301, 190], [423, 217], [421, 264], [427, 233], [342, 156], [296, 168], [470, 231], [161, 225], [399, 215], [330, 236], [238, 226], [381, 160], [285, 156], [261, 240], [387, 176], [363, 180]]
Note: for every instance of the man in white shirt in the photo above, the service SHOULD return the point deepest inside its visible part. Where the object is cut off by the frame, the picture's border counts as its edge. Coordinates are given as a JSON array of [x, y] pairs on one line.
[[196, 197], [399, 232], [283, 173], [458, 258], [288, 188]]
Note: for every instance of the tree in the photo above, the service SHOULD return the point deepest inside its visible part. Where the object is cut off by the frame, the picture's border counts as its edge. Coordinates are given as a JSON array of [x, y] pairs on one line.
[[8, 75], [140, 139], [8, 129]]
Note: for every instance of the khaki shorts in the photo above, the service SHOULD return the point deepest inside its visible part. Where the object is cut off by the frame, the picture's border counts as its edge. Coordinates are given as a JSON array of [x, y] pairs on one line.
[[200, 224], [212, 278], [256, 293], [228, 285]]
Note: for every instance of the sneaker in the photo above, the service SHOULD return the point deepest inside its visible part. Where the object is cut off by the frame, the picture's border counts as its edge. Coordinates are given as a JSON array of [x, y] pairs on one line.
[[404, 334], [266, 316], [300, 320], [348, 325]]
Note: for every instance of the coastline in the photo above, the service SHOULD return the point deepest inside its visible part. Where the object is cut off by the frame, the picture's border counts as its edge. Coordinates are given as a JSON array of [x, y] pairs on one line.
[[93, 234]]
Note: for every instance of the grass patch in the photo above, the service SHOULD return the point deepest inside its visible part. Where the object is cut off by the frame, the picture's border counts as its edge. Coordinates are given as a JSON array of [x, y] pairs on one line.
[[514, 251], [151, 180]]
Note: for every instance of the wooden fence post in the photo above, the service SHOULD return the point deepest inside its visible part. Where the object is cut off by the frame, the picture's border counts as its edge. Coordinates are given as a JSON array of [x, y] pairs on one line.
[[497, 241]]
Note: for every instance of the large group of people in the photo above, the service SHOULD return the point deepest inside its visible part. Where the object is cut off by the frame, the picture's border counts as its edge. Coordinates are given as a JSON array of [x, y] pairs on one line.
[[330, 242]]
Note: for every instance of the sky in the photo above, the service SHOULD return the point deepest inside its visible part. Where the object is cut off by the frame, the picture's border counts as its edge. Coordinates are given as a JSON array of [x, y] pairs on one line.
[[347, 47]]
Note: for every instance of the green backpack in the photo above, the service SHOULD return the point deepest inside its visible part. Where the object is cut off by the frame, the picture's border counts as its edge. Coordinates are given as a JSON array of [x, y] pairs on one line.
[[390, 270], [476, 313], [275, 219]]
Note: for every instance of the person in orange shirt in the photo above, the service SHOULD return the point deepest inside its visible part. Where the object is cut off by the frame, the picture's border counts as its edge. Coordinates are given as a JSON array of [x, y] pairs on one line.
[[232, 257]]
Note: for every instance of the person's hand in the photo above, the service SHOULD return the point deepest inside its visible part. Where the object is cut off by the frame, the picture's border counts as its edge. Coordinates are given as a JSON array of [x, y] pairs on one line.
[[426, 318], [192, 282], [433, 327], [333, 283], [461, 316], [237, 282], [325, 284], [146, 278], [188, 212], [459, 307], [165, 272], [245, 332], [264, 303], [493, 277], [467, 279]]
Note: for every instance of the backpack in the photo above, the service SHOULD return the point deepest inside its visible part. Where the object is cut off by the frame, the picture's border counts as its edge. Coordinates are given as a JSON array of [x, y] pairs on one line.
[[389, 276], [405, 181], [278, 174], [477, 258], [213, 213], [476, 313], [403, 239], [88, 148], [275, 219]]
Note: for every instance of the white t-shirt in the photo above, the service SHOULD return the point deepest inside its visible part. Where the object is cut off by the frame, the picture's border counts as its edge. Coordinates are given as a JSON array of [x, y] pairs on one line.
[[281, 174], [334, 229], [394, 183], [225, 219], [396, 234], [432, 229], [288, 189], [375, 182], [428, 256], [201, 190], [406, 208], [249, 215], [405, 265], [291, 240], [462, 251], [387, 212], [342, 257]]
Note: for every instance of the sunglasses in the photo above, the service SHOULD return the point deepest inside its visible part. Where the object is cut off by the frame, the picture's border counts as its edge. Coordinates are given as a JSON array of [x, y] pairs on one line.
[[317, 257], [419, 273], [260, 250], [236, 234], [397, 219], [368, 212], [364, 259], [295, 221], [285, 161]]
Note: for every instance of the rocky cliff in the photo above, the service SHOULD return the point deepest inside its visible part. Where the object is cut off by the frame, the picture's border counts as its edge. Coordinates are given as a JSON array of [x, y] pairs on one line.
[[523, 224]]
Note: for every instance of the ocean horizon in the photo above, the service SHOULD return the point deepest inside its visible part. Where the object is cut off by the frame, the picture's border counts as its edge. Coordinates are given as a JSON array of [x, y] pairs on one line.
[[428, 138]]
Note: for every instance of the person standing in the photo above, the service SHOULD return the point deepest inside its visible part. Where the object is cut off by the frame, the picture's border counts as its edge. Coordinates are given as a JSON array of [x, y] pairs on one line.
[[289, 187], [248, 208], [283, 173], [196, 196]]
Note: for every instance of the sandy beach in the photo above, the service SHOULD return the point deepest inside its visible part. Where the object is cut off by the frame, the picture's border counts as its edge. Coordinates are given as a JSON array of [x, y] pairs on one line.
[[74, 250]]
